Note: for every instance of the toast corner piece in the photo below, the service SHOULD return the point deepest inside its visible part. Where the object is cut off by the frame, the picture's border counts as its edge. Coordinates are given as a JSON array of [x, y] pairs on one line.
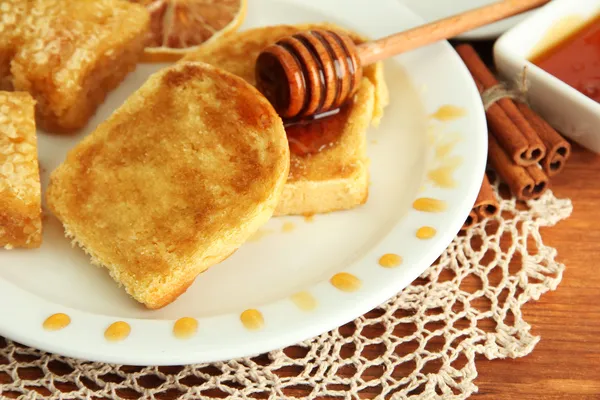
[[163, 189], [336, 178], [309, 197], [20, 190], [72, 57], [163, 300]]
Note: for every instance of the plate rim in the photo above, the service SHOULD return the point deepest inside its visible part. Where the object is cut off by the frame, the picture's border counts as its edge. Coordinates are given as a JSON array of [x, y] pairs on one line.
[[28, 331]]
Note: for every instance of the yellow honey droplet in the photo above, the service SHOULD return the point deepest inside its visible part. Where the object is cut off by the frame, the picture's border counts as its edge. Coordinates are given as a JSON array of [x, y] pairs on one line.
[[346, 282], [305, 301], [185, 327], [444, 149], [426, 232], [288, 227], [427, 204], [442, 177], [56, 322], [448, 113], [252, 319], [309, 217], [390, 260], [117, 331]]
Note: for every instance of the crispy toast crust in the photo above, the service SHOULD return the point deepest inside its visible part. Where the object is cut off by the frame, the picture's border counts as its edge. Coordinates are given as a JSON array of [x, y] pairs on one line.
[[70, 54], [174, 181], [336, 178], [20, 190]]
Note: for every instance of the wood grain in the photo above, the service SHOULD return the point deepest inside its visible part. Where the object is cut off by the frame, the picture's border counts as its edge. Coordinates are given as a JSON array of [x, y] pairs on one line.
[[566, 362]]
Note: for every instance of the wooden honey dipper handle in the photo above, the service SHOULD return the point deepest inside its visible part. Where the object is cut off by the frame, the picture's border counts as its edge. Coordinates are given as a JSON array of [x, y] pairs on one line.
[[446, 28], [317, 71]]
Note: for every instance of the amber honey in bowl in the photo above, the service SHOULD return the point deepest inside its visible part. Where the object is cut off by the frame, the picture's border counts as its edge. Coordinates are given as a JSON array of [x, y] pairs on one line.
[[575, 59]]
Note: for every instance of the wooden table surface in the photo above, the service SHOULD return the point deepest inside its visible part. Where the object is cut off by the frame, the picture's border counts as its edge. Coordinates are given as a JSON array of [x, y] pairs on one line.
[[565, 364]]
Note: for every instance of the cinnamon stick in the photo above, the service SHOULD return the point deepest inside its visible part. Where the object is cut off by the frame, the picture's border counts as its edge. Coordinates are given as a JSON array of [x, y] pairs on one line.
[[558, 149], [472, 219], [540, 180], [512, 131], [526, 183], [486, 205]]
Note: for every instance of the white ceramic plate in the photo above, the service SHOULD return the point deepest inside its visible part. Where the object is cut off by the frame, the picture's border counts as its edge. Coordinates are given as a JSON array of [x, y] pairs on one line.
[[433, 10], [264, 274]]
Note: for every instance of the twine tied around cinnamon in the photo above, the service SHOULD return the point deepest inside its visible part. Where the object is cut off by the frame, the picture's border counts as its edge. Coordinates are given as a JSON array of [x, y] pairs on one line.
[[523, 148], [555, 149], [505, 90], [486, 205]]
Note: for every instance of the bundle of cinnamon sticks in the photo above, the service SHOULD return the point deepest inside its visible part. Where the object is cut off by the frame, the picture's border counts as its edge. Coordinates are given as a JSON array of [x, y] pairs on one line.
[[523, 148]]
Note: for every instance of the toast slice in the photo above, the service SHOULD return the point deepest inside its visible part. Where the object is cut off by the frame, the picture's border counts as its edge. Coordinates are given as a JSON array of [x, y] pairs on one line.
[[20, 191], [337, 176], [12, 14], [70, 54], [176, 180]]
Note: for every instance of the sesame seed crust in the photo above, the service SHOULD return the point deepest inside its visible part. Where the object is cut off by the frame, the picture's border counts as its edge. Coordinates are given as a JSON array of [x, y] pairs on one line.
[[70, 54], [20, 191]]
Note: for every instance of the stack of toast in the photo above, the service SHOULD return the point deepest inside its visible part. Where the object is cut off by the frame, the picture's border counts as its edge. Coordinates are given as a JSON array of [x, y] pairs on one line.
[[336, 177], [187, 169]]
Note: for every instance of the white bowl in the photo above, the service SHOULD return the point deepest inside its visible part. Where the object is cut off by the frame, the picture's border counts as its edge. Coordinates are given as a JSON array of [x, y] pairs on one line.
[[572, 113]]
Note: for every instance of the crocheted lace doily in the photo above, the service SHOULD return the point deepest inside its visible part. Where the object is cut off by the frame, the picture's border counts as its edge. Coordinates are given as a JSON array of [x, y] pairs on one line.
[[421, 344]]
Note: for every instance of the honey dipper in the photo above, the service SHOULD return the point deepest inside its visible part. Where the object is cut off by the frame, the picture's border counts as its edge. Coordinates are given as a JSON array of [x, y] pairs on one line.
[[316, 71]]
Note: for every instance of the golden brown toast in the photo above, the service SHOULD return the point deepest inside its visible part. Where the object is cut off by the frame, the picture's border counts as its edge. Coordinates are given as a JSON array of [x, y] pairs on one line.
[[70, 54], [12, 14], [174, 181], [336, 177], [20, 191]]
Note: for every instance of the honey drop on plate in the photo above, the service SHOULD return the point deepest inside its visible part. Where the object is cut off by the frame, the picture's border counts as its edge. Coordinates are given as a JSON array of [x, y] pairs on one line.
[[252, 319], [426, 232], [449, 113], [390, 260], [304, 301], [185, 327], [346, 282], [427, 204], [56, 322], [117, 331]]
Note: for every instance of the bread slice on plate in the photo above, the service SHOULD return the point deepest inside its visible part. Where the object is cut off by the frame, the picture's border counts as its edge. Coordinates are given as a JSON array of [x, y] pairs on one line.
[[20, 191], [334, 175], [70, 54], [174, 181], [13, 12]]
